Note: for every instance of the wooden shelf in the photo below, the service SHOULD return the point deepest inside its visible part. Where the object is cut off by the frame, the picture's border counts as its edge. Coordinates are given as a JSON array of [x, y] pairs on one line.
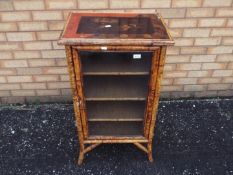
[[115, 73], [115, 87], [115, 63], [115, 99], [116, 129], [116, 111]]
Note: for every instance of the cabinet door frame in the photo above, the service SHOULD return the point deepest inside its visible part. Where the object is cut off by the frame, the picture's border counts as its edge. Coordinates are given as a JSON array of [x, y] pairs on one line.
[[153, 98], [81, 102], [151, 92]]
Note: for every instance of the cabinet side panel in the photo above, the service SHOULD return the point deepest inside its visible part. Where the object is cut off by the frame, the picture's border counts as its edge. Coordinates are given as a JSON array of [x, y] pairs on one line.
[[78, 122]]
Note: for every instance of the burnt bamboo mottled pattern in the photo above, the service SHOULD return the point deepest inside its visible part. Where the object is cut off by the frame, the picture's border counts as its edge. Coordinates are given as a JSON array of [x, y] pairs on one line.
[[80, 93], [78, 122]]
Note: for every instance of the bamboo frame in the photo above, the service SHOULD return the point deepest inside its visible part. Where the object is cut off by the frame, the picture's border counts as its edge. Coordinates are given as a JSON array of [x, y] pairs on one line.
[[78, 121], [89, 142], [80, 93], [129, 140], [150, 98], [156, 100]]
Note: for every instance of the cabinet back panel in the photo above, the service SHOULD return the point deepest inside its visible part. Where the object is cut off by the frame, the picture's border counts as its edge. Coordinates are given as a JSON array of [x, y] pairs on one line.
[[115, 128], [115, 86], [115, 61], [115, 110]]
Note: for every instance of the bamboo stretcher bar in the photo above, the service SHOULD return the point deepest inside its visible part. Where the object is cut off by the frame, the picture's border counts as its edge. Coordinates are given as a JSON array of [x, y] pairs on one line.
[[114, 141], [141, 147], [89, 148]]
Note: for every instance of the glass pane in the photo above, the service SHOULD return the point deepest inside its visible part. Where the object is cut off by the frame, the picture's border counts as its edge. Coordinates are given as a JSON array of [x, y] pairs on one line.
[[115, 89]]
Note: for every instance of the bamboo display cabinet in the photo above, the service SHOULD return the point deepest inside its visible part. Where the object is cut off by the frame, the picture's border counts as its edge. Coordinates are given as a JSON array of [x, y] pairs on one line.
[[115, 65]]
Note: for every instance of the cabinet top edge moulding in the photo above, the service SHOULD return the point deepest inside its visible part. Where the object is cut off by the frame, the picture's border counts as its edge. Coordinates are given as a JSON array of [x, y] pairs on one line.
[[116, 29]]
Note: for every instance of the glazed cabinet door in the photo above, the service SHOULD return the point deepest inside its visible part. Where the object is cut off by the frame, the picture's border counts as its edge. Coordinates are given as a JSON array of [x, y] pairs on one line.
[[114, 89]]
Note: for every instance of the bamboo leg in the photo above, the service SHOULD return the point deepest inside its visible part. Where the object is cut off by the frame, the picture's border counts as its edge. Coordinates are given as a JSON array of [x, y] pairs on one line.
[[75, 101], [81, 157], [150, 156], [81, 154]]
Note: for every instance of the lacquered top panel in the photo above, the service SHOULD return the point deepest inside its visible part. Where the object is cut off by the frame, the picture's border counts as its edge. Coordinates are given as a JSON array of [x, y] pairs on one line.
[[116, 26], [99, 26]]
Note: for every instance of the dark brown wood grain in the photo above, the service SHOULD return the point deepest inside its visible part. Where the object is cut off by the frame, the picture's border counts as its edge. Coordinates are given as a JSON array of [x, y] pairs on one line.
[[115, 97]]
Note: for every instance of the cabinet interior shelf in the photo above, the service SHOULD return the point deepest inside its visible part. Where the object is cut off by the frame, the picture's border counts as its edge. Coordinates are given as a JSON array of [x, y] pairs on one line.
[[115, 73], [115, 99], [123, 119]]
